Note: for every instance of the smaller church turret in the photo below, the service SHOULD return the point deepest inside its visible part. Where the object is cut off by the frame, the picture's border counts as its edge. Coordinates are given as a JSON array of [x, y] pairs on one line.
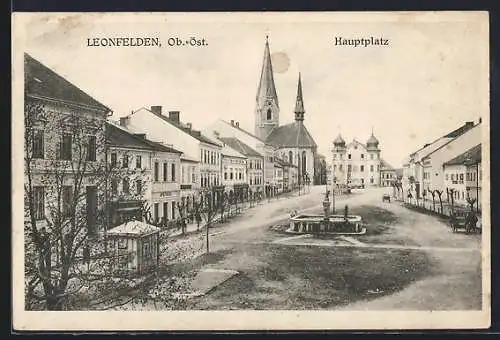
[[299, 103]]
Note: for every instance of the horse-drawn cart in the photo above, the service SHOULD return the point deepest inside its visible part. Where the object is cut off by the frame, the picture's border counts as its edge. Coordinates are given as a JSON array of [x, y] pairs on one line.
[[467, 222]]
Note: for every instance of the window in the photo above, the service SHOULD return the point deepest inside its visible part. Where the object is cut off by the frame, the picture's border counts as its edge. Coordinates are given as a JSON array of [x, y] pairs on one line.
[[371, 180], [138, 162], [156, 171], [349, 167], [173, 172], [371, 168], [225, 175], [113, 160], [114, 186], [38, 147], [378, 167], [156, 212], [269, 114], [165, 211], [349, 156], [138, 185], [290, 157], [92, 149], [362, 167], [67, 198], [362, 156], [340, 167], [461, 178], [39, 202], [334, 156], [66, 147], [231, 174], [165, 172], [371, 156], [125, 161], [239, 175], [126, 188], [335, 167], [173, 210]]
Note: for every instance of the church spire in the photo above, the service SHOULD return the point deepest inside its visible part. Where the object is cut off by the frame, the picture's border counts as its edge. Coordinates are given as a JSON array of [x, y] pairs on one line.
[[266, 90], [299, 103]]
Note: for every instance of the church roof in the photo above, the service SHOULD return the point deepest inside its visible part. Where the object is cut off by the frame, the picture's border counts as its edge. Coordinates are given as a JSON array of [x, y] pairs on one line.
[[41, 81], [339, 140], [239, 146], [291, 135], [267, 88], [372, 140]]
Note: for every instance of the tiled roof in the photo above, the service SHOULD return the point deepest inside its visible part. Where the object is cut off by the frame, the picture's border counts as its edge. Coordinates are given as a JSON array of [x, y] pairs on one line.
[[43, 82], [239, 146], [119, 137], [244, 131], [228, 151], [193, 133], [471, 156], [133, 228], [384, 165], [291, 135]]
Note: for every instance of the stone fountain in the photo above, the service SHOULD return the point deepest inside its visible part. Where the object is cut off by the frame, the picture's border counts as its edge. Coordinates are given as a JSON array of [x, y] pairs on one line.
[[327, 224]]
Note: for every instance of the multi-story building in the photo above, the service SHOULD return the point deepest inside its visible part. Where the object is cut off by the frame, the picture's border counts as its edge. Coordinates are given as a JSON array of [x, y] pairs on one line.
[[64, 150], [432, 162], [462, 177], [170, 130], [387, 174], [356, 164], [415, 178], [143, 177], [190, 184], [255, 164], [234, 172]]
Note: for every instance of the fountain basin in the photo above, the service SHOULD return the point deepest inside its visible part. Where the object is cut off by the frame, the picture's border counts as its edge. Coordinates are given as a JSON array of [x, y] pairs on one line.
[[334, 224]]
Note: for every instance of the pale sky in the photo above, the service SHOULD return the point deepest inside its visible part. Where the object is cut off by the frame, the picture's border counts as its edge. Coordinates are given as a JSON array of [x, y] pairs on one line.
[[430, 79]]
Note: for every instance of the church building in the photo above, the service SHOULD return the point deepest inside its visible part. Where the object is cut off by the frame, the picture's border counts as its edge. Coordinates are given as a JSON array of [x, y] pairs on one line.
[[292, 142]]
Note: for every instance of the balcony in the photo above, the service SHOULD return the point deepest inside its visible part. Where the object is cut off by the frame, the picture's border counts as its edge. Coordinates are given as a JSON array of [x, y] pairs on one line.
[[186, 186]]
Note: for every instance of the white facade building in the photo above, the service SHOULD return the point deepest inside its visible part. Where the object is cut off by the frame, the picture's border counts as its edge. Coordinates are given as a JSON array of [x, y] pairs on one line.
[[356, 164], [169, 130]]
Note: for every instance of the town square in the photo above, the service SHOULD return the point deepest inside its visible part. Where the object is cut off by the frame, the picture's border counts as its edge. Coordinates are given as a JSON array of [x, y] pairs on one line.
[[154, 188]]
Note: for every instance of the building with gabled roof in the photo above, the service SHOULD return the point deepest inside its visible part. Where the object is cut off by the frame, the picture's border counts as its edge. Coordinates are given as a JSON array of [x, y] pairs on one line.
[[463, 177], [169, 129], [415, 177], [255, 162], [65, 143], [144, 177]]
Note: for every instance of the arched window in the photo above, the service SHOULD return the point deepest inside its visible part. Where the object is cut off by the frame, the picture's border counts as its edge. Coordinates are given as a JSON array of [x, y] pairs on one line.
[[269, 114], [290, 157], [304, 162]]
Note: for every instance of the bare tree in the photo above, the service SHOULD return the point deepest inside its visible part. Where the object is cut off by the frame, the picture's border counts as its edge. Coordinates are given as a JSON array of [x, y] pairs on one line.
[[60, 178], [433, 194], [439, 194]]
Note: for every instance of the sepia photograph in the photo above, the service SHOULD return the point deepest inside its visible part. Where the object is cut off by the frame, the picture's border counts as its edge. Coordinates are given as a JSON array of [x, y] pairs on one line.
[[233, 171]]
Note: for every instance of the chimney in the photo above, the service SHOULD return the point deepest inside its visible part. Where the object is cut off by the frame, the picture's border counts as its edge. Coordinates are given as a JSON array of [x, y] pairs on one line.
[[189, 126], [156, 109], [237, 124], [140, 135], [216, 134], [469, 124], [124, 121], [232, 122], [174, 116], [480, 120]]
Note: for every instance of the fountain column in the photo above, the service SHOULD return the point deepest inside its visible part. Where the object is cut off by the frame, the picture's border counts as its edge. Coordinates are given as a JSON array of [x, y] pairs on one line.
[[326, 207]]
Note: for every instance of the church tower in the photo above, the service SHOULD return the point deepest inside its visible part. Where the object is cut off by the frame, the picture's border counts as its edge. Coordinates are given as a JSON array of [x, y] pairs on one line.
[[267, 112]]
